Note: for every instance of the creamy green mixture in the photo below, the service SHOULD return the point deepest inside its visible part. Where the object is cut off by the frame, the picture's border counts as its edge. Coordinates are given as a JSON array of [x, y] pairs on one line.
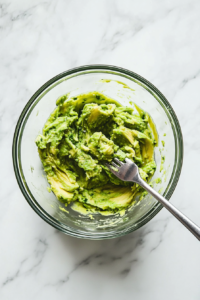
[[84, 132]]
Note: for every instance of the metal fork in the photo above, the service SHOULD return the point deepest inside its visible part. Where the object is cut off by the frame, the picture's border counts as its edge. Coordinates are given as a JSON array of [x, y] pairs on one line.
[[128, 171]]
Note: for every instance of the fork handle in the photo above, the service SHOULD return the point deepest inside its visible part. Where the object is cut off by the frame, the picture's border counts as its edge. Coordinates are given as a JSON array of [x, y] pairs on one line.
[[191, 226]]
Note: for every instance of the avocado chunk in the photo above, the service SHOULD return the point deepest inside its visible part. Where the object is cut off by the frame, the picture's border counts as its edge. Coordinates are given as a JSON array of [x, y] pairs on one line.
[[101, 147]]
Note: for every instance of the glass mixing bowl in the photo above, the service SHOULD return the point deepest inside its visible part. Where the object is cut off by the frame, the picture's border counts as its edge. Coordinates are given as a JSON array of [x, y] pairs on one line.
[[125, 87]]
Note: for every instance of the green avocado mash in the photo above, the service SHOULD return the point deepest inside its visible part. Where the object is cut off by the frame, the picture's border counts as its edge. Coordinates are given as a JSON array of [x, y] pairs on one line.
[[80, 135]]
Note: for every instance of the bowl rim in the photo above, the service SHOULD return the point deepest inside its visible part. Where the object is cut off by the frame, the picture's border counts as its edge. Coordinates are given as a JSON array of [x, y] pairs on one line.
[[156, 208]]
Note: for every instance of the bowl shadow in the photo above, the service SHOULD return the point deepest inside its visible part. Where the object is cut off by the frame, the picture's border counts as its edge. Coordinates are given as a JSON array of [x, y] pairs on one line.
[[112, 257]]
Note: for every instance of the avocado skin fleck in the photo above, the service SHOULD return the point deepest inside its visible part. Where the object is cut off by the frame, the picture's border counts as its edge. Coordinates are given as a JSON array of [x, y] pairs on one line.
[[163, 143], [80, 135]]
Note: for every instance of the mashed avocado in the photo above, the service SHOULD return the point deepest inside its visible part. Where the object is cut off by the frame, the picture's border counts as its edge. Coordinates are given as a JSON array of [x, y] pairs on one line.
[[80, 135]]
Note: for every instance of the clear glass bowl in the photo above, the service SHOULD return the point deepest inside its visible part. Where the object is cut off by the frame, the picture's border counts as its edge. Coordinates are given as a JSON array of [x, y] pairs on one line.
[[29, 171]]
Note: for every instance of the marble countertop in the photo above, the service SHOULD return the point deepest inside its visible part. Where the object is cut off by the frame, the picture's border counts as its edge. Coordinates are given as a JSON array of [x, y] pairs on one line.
[[156, 39]]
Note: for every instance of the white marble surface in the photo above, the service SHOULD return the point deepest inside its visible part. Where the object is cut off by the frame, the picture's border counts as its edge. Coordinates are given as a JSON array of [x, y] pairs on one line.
[[159, 40]]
